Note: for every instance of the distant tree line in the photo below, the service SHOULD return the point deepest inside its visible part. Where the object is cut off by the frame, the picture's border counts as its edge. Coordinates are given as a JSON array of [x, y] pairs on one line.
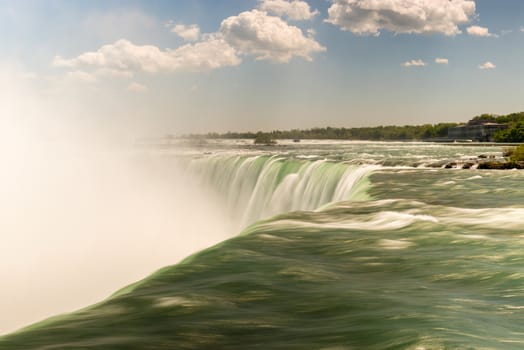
[[515, 130], [514, 133], [493, 118], [384, 133]]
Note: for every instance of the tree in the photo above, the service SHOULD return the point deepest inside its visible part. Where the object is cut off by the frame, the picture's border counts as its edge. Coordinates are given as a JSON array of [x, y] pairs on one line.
[[518, 154], [515, 133], [264, 138], [484, 118]]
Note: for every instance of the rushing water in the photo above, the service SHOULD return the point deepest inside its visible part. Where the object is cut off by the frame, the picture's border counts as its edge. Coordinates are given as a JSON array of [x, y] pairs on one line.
[[343, 246]]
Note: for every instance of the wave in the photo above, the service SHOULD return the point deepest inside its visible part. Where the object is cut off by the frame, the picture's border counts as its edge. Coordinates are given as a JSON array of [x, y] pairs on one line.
[[315, 284], [391, 214], [329, 266]]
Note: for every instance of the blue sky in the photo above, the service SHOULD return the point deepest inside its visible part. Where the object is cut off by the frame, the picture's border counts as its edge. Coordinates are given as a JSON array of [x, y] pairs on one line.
[[160, 67]]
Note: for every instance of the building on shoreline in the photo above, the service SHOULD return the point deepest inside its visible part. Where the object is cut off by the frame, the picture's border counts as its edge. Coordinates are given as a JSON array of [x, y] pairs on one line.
[[482, 132]]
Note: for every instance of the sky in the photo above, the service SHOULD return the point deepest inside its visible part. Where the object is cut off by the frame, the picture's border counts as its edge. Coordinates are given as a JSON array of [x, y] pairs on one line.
[[146, 68]]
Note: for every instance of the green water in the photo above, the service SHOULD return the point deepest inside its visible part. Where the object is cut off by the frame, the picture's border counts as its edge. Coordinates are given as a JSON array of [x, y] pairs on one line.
[[427, 259]]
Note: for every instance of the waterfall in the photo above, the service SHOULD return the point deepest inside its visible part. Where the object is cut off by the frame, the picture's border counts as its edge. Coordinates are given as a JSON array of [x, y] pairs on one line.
[[258, 187]]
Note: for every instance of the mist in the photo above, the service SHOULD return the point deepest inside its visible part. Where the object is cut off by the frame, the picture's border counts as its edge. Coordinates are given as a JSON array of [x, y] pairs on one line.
[[81, 213]]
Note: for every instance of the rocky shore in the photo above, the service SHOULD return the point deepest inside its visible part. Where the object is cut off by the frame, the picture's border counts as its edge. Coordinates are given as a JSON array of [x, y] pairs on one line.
[[481, 162]]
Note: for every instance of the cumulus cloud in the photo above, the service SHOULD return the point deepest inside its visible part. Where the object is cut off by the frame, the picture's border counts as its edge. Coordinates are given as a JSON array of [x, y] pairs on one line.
[[439, 60], [124, 56], [295, 10], [212, 53], [81, 76], [479, 31], [414, 63], [311, 32], [114, 73], [136, 87], [369, 17], [254, 32], [188, 33], [267, 37], [487, 65]]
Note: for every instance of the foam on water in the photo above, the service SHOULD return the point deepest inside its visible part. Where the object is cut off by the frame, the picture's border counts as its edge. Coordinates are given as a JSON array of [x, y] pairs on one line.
[[427, 252], [385, 215], [380, 221], [298, 281], [260, 187]]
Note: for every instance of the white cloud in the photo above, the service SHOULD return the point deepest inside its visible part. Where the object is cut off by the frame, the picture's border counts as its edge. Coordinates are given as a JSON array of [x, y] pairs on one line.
[[479, 31], [82, 76], [250, 33], [114, 73], [311, 32], [414, 63], [59, 61], [136, 87], [212, 53], [124, 56], [267, 37], [487, 65], [369, 17], [188, 33], [522, 29], [295, 10], [439, 60]]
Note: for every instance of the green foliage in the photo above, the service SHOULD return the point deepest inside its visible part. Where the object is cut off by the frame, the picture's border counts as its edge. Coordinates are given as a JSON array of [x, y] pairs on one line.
[[515, 154], [385, 133], [515, 130], [263, 138], [511, 118], [514, 133], [518, 154], [483, 118]]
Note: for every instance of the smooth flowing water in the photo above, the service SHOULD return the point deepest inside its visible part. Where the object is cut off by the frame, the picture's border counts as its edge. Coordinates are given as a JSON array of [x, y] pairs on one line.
[[342, 246]]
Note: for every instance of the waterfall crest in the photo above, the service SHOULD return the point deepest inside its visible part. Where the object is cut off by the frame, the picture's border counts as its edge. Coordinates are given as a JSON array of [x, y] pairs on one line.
[[258, 187]]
